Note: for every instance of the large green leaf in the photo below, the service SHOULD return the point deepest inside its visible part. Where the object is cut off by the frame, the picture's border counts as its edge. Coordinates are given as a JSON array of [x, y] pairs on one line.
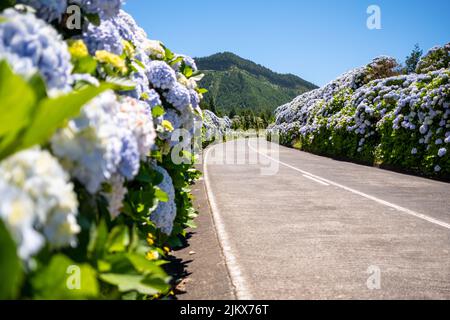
[[64, 279], [98, 238], [144, 266], [17, 99], [118, 239], [139, 283], [10, 266]]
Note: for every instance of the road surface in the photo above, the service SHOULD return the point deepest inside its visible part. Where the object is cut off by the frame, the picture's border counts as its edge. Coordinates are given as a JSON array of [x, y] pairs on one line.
[[324, 229]]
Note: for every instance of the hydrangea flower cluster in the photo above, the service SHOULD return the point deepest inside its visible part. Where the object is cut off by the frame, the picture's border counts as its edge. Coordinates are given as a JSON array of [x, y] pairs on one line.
[[164, 215], [179, 96], [30, 45], [51, 10], [108, 138], [106, 9], [414, 107], [104, 147], [48, 10], [136, 116], [161, 75], [90, 146], [115, 195], [214, 125], [38, 202], [436, 58], [129, 30], [103, 37]]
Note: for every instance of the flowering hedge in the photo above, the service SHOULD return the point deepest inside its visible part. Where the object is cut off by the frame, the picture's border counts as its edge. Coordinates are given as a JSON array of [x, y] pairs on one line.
[[374, 115], [214, 127], [92, 201]]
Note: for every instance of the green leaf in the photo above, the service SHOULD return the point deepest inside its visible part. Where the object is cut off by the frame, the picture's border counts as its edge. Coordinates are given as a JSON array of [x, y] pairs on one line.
[[93, 18], [10, 266], [161, 195], [157, 283], [139, 283], [144, 266], [85, 65], [158, 111], [191, 224], [119, 239], [168, 54], [187, 71], [202, 90], [121, 84], [64, 279], [97, 239], [139, 63], [17, 99], [38, 84]]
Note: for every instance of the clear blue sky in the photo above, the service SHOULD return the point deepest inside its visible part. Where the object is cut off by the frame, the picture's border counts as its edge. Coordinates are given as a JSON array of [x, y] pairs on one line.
[[317, 39]]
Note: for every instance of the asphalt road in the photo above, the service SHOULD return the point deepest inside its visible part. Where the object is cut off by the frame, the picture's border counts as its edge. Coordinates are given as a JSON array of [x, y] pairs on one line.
[[324, 229]]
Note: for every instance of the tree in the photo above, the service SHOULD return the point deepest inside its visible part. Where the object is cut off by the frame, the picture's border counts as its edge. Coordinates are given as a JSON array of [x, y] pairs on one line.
[[232, 113], [413, 59], [212, 105]]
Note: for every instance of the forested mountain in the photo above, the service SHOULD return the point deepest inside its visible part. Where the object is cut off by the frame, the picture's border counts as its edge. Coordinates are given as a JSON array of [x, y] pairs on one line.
[[236, 85]]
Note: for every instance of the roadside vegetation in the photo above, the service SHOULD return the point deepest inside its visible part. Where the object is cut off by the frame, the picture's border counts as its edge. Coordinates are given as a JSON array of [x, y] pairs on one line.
[[92, 201], [381, 114]]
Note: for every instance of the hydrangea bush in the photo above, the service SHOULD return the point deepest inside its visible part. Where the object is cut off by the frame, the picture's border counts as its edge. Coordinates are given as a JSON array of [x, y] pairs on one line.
[[214, 126], [373, 115], [86, 173]]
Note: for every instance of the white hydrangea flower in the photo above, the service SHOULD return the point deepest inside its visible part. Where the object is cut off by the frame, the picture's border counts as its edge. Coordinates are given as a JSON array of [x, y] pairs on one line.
[[36, 182], [17, 212], [137, 117], [116, 195], [154, 48], [90, 146]]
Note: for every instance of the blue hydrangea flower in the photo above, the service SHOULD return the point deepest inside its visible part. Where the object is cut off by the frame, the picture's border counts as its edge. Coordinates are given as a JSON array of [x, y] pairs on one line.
[[106, 9], [128, 29], [166, 212], [130, 157], [142, 85], [442, 152], [161, 75], [103, 37], [48, 10], [29, 45], [179, 96], [153, 98], [195, 98]]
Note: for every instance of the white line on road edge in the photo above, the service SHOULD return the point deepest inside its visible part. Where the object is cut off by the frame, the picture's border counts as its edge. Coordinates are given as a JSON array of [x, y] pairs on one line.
[[316, 180], [234, 270], [388, 204]]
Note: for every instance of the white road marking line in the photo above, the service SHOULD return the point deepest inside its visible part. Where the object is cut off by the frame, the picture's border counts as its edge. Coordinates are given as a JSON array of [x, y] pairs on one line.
[[362, 194], [316, 180], [234, 269]]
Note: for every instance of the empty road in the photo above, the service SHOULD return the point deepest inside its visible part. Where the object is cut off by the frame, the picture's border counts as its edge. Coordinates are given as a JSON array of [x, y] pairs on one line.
[[315, 228]]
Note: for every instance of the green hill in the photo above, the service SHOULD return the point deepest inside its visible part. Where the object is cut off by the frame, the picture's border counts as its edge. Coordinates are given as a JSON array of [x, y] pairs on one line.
[[238, 84]]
